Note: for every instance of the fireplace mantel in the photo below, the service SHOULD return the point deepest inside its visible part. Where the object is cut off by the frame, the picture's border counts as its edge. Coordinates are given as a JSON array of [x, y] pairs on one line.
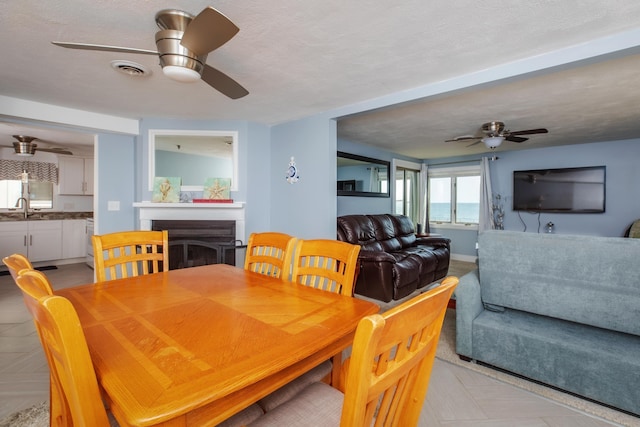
[[148, 211]]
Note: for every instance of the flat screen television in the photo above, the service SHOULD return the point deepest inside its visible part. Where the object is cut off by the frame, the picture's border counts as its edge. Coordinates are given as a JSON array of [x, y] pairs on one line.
[[568, 190]]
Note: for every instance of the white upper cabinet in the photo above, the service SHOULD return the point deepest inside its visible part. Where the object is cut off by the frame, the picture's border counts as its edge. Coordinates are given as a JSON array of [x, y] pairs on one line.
[[75, 176]]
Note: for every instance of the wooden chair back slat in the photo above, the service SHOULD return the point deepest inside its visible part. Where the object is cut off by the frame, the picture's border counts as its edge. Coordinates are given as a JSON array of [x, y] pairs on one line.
[[325, 264], [270, 253], [130, 253]]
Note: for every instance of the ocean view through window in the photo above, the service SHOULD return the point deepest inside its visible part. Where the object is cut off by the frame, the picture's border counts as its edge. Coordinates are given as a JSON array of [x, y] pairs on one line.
[[454, 196], [467, 212]]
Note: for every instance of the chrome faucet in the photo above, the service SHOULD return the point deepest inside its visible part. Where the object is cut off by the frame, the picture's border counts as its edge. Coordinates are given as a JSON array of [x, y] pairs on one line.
[[25, 206]]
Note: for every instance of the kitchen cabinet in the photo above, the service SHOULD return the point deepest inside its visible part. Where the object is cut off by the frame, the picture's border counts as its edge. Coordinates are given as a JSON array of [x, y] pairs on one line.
[[75, 176], [75, 237], [37, 240]]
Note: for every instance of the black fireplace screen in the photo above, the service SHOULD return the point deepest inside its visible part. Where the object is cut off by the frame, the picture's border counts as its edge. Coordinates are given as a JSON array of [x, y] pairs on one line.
[[194, 243]]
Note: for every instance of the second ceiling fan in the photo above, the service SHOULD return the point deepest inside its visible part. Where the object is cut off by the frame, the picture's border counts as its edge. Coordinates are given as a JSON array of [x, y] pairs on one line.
[[493, 133], [183, 43]]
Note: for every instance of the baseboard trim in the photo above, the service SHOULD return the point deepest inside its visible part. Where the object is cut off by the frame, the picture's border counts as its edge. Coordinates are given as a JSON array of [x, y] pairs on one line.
[[465, 258]]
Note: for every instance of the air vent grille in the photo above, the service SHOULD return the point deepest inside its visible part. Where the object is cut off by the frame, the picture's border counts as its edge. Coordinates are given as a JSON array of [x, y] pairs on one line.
[[130, 68]]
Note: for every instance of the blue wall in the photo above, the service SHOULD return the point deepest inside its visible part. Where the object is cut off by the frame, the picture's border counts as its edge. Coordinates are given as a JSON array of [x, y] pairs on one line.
[[115, 163], [622, 191], [306, 209], [256, 160]]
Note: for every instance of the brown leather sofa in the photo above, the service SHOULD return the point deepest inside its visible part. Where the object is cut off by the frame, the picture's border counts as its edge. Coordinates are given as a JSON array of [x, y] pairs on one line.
[[393, 261]]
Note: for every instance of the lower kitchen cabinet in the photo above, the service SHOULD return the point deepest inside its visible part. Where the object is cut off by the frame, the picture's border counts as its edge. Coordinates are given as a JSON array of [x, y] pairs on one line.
[[37, 240]]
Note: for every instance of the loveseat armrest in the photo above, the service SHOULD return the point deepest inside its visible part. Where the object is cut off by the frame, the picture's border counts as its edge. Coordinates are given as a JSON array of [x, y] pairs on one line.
[[375, 277], [468, 307], [375, 256], [436, 242]]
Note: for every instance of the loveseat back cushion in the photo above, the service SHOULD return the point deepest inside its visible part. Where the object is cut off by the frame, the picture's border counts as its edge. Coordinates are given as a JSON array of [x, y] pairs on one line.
[[404, 230], [385, 229], [358, 230], [586, 279]]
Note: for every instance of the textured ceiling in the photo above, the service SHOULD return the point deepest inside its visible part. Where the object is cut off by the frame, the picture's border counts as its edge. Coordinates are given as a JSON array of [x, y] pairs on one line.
[[302, 58]]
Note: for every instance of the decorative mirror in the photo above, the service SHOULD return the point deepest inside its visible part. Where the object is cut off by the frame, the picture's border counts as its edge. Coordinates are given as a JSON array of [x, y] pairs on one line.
[[193, 156], [362, 176]]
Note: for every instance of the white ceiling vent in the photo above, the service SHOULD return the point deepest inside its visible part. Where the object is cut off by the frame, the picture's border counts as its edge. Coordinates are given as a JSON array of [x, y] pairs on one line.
[[130, 68]]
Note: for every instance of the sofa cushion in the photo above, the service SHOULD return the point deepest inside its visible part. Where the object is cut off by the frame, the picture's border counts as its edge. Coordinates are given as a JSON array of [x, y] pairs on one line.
[[585, 279], [592, 362]]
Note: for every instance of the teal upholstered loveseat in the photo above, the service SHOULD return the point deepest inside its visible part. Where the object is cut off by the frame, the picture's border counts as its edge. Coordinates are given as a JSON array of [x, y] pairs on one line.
[[559, 309]]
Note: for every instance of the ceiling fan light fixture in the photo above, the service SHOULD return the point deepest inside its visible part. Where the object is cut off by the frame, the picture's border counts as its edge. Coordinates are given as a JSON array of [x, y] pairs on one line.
[[24, 149], [493, 141], [181, 74]]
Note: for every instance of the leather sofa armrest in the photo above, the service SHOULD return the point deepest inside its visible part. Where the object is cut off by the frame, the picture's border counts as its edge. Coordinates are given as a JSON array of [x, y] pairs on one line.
[[468, 307], [433, 241], [375, 256], [375, 277]]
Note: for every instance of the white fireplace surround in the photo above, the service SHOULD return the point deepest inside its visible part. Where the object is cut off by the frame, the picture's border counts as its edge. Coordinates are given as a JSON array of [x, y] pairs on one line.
[[149, 211]]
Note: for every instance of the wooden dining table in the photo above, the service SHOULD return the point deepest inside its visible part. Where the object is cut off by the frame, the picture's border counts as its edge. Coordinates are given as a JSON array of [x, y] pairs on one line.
[[197, 345]]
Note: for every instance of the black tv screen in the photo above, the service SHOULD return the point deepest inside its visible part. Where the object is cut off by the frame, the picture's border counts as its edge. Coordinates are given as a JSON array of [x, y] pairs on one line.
[[570, 190]]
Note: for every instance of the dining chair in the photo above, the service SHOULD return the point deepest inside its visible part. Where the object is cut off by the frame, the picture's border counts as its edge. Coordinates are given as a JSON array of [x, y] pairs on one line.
[[15, 263], [270, 253], [58, 410], [130, 253], [76, 398], [325, 264], [387, 374]]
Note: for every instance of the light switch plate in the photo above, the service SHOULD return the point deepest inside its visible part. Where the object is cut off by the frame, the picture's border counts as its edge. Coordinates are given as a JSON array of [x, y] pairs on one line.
[[113, 205]]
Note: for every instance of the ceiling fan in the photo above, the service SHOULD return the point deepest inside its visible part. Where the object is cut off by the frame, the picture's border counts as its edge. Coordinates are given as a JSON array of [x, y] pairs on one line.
[[24, 146], [183, 43], [493, 133]]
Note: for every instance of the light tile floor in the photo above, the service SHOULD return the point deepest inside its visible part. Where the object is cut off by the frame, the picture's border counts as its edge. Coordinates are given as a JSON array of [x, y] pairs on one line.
[[458, 397]]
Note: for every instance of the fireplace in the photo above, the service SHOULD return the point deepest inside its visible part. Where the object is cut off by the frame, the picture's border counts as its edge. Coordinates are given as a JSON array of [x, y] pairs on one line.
[[199, 242], [194, 222]]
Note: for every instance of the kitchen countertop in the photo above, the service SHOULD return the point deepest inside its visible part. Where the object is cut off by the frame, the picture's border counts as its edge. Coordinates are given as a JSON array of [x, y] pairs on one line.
[[40, 215]]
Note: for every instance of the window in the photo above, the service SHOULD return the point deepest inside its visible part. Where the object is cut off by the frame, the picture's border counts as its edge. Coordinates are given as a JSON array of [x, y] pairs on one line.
[[10, 192], [39, 193], [454, 196], [406, 194]]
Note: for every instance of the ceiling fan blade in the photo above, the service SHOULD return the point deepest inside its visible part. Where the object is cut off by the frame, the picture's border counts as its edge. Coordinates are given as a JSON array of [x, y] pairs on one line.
[[515, 138], [208, 31], [88, 46], [529, 132], [55, 150], [462, 138], [475, 143], [223, 83]]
